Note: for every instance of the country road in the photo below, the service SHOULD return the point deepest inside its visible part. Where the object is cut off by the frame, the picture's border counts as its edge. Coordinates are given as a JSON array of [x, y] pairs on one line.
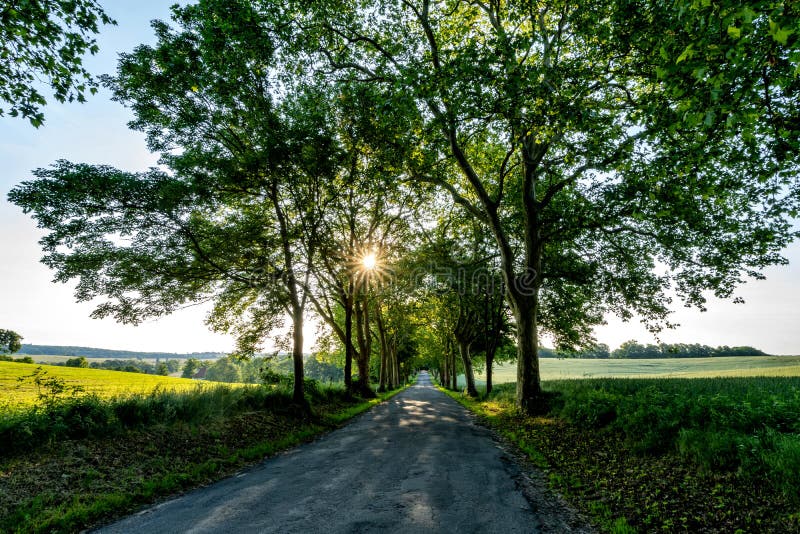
[[416, 463]]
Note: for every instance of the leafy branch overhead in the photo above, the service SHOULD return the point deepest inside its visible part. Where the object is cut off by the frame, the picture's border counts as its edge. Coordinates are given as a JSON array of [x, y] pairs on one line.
[[596, 142], [43, 42], [605, 156]]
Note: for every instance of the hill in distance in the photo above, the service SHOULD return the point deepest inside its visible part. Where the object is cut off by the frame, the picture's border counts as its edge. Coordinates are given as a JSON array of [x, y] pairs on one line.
[[91, 352]]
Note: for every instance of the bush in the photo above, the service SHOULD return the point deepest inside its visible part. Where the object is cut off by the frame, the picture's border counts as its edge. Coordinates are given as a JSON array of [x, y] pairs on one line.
[[711, 451], [63, 415], [751, 425], [224, 370], [85, 417], [590, 407], [780, 455]]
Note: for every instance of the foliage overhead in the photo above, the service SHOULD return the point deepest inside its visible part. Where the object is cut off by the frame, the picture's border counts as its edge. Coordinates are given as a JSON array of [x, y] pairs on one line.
[[43, 42], [616, 152]]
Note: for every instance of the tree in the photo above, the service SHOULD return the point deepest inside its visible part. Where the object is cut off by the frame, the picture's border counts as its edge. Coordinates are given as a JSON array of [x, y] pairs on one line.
[[190, 367], [322, 370], [227, 222], [224, 370], [44, 40], [10, 341], [584, 149], [80, 361]]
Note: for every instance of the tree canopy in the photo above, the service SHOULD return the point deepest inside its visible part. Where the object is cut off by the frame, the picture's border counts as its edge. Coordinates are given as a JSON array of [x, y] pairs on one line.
[[43, 42], [607, 175], [606, 156], [10, 341]]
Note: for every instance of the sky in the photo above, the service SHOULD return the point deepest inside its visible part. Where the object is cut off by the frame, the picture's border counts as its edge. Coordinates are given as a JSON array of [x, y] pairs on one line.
[[46, 313]]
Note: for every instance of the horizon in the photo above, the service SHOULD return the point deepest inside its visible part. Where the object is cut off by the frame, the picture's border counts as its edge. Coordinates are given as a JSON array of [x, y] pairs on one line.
[[307, 353]]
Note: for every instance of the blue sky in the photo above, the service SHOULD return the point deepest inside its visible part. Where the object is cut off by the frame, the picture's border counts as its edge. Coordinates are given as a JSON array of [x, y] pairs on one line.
[[96, 132]]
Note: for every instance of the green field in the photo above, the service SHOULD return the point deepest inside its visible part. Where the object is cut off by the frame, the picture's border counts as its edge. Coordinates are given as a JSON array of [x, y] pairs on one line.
[[555, 369], [14, 392], [52, 358]]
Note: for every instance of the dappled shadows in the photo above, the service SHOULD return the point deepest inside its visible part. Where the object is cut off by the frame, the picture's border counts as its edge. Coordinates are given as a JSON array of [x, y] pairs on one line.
[[412, 464]]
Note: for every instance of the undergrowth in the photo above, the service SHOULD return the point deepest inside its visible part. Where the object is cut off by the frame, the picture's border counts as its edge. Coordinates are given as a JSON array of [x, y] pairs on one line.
[[76, 459], [747, 425], [67, 412], [710, 454]]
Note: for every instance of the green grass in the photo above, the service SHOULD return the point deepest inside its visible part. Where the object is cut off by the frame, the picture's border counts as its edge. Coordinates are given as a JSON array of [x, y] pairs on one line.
[[103, 383], [665, 454], [554, 368], [147, 446]]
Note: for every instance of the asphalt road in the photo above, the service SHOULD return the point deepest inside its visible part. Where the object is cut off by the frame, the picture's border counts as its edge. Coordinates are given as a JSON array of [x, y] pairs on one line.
[[416, 463]]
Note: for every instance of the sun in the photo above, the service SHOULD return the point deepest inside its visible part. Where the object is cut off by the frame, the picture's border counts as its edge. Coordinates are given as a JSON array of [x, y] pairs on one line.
[[369, 261]]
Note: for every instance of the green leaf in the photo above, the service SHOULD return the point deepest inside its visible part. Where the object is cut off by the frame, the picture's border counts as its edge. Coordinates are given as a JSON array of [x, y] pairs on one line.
[[780, 35], [748, 15], [688, 53], [734, 32]]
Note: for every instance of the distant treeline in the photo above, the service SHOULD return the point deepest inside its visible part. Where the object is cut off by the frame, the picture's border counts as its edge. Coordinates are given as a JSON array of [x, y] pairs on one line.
[[164, 367], [226, 369], [89, 352], [633, 350]]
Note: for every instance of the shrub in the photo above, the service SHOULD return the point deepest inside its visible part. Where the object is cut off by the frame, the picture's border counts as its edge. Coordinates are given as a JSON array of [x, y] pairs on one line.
[[593, 408], [711, 450], [780, 455], [751, 425]]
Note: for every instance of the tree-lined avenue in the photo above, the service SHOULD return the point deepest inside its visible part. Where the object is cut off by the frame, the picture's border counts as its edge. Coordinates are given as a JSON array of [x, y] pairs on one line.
[[425, 467]]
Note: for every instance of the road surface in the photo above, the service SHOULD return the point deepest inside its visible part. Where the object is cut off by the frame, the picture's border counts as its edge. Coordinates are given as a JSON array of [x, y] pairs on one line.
[[416, 463]]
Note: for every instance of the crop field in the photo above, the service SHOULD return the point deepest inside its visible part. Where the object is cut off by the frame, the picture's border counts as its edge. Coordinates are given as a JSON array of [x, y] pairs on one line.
[[720, 452], [52, 358], [733, 366], [18, 393]]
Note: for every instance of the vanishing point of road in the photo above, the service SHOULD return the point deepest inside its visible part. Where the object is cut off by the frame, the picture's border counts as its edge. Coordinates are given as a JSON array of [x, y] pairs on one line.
[[416, 463]]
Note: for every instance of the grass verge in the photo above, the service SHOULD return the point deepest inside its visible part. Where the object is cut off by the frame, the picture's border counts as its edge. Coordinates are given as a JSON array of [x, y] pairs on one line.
[[666, 455], [67, 485]]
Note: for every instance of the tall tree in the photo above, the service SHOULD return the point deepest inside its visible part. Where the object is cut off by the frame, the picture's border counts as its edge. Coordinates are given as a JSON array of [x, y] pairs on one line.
[[585, 148], [228, 222], [45, 41]]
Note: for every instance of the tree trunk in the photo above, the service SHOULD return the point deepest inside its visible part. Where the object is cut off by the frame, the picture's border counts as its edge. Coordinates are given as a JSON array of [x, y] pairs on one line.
[[298, 394], [489, 362], [466, 359], [394, 366], [528, 380], [348, 341], [362, 360], [453, 368], [367, 338], [384, 349]]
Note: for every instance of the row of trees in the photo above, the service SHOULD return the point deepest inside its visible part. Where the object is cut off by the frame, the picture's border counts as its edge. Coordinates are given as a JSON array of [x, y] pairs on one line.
[[544, 156], [632, 349]]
